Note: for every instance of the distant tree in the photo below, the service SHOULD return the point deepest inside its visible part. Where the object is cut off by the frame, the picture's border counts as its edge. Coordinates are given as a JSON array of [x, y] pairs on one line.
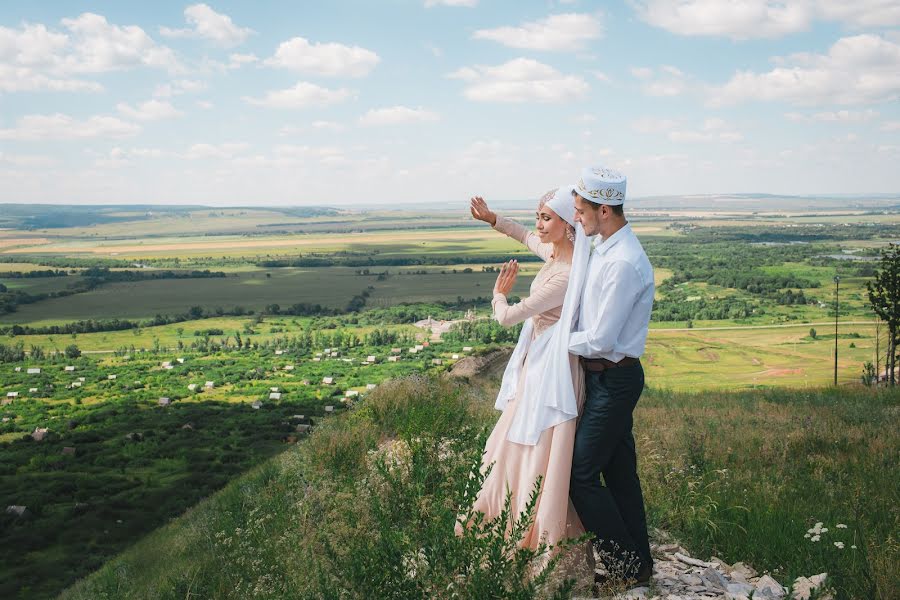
[[72, 351], [884, 295], [195, 312], [37, 352], [812, 332]]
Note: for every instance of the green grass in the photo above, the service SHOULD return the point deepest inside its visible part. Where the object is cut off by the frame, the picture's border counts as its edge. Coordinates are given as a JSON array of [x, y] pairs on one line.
[[741, 476]]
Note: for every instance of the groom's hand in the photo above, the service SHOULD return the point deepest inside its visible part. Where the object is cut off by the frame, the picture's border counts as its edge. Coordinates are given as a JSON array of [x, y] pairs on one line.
[[481, 211], [507, 278]]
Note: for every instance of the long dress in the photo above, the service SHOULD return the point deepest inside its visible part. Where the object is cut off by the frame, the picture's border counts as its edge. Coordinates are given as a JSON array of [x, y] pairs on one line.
[[517, 466]]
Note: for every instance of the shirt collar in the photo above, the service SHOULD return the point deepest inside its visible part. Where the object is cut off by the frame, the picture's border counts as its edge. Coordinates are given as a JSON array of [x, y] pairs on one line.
[[603, 246]]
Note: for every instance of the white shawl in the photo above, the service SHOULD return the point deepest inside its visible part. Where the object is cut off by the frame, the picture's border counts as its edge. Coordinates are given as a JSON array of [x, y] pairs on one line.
[[548, 394]]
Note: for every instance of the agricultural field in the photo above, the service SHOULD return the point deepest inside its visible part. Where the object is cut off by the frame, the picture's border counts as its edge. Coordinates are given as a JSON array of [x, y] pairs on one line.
[[100, 450], [744, 304]]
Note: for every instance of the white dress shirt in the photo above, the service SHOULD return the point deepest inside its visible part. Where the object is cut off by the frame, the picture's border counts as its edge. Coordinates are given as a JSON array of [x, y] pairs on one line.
[[617, 299]]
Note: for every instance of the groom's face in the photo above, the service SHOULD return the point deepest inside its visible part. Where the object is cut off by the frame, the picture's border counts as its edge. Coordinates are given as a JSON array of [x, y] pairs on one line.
[[587, 214]]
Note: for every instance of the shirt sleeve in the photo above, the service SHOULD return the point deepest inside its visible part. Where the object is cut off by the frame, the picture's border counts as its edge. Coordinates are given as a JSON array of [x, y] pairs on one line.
[[522, 234], [615, 293], [548, 296]]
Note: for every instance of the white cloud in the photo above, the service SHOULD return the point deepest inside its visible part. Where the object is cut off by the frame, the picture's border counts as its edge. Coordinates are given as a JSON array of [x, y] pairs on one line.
[[467, 3], [27, 160], [556, 32], [663, 81], [63, 127], [210, 25], [35, 58], [330, 59], [519, 80], [747, 19], [653, 125], [236, 61], [713, 129], [585, 118], [151, 110], [317, 125], [740, 19], [396, 115], [220, 151], [178, 87], [302, 95], [890, 126], [99, 46], [840, 116], [204, 104], [860, 69]]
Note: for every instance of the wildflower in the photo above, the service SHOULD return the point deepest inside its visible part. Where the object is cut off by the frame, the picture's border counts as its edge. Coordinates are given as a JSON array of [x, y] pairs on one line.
[[816, 538], [808, 534], [824, 530], [841, 526], [840, 545], [853, 546]]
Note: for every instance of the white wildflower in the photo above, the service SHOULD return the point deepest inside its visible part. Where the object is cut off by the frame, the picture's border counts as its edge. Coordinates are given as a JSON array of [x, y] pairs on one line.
[[853, 546], [816, 538], [840, 545], [841, 526]]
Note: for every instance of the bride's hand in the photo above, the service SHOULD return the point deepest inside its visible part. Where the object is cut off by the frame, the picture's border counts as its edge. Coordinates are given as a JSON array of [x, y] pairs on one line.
[[507, 278], [481, 211]]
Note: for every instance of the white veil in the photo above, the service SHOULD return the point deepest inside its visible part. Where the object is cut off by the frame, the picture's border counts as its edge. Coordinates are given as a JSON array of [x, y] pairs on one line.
[[548, 394]]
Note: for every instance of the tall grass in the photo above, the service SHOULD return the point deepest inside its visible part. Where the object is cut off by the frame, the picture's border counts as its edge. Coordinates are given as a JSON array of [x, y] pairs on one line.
[[366, 506], [744, 476]]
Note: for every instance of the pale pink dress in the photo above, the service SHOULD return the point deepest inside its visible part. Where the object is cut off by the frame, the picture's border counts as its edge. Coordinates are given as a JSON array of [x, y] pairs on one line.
[[517, 466]]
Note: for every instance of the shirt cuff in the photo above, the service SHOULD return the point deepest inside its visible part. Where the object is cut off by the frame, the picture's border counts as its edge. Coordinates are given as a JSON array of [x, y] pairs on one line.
[[578, 343]]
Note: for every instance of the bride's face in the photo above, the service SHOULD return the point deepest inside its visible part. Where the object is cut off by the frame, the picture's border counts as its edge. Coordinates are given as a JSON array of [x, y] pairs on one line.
[[550, 227]]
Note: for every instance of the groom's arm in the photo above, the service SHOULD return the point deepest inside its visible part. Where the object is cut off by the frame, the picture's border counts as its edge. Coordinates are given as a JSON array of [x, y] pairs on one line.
[[614, 294]]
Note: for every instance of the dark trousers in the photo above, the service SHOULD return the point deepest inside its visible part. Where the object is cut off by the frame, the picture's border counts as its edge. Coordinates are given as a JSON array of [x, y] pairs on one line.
[[604, 445]]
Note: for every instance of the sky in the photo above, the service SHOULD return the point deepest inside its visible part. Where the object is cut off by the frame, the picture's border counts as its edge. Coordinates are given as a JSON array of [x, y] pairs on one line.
[[357, 103]]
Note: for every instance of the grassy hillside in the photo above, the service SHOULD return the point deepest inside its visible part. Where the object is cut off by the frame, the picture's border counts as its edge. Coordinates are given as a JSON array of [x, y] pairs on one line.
[[365, 507]]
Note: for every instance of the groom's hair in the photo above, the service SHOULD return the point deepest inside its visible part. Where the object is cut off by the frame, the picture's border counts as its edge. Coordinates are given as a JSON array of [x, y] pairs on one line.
[[617, 209]]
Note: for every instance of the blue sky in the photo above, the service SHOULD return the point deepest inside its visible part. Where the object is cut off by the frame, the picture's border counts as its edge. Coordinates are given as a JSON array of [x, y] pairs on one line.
[[356, 103]]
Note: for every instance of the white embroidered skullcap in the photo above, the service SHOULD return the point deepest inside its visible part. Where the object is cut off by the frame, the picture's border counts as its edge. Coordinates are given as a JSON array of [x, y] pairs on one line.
[[601, 185], [563, 203]]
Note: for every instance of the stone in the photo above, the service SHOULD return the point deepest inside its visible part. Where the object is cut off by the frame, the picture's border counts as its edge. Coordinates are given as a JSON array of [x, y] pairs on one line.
[[804, 586], [767, 584], [713, 579], [690, 579], [740, 589], [691, 561], [744, 570]]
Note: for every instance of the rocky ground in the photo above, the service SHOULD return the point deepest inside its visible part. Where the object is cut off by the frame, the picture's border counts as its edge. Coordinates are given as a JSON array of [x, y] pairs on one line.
[[679, 576]]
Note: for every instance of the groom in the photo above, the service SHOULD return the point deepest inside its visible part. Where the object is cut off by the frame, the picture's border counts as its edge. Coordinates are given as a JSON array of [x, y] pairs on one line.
[[615, 313]]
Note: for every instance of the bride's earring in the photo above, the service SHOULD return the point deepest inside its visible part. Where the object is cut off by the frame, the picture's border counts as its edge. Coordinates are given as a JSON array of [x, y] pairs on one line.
[[570, 233]]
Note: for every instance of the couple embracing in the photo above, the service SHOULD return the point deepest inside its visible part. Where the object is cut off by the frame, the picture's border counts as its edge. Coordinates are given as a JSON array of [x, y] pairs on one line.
[[574, 378]]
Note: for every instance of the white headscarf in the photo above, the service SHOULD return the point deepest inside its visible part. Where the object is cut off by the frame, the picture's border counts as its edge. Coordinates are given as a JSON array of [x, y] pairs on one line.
[[548, 394], [563, 203]]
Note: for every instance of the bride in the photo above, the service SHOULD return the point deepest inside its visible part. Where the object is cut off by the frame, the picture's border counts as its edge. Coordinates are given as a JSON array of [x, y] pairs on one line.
[[541, 394]]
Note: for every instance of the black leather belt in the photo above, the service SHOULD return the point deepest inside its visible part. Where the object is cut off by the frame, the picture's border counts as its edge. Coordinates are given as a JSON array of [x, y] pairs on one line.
[[597, 365]]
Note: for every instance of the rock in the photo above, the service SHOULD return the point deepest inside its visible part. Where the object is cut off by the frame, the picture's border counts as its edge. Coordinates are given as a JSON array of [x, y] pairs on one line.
[[766, 587], [714, 580], [691, 561], [804, 586], [731, 596], [745, 571], [740, 589], [638, 593], [689, 579]]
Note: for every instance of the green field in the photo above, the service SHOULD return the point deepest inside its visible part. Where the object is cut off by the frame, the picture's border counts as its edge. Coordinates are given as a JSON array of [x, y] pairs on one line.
[[736, 381]]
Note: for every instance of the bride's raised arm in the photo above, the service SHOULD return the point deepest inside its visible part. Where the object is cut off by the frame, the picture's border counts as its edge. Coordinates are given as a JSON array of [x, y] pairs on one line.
[[518, 232]]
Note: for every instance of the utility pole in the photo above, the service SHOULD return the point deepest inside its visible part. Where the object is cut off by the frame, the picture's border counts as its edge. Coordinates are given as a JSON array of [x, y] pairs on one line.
[[837, 300]]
